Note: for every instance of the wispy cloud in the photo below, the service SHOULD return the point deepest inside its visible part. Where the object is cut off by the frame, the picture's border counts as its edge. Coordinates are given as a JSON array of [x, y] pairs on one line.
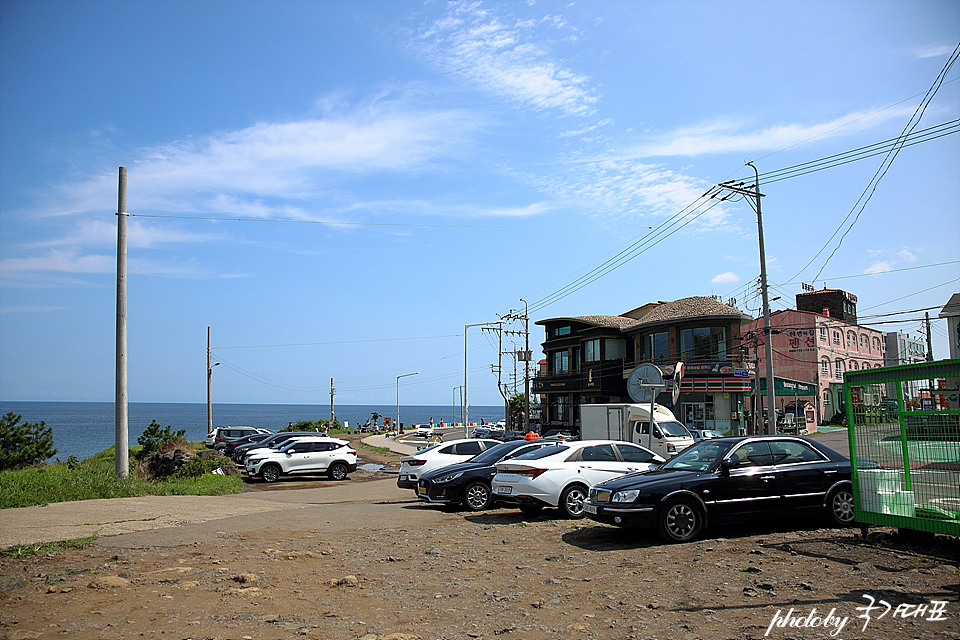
[[933, 51], [878, 267], [725, 278], [501, 56]]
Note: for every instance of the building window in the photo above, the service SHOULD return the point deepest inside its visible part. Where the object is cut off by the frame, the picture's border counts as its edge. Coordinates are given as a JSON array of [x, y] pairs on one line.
[[703, 343], [561, 361], [559, 408], [614, 349], [591, 350], [823, 334], [864, 341], [853, 365], [826, 398], [851, 339], [836, 337], [838, 369], [561, 331], [655, 347], [825, 367]]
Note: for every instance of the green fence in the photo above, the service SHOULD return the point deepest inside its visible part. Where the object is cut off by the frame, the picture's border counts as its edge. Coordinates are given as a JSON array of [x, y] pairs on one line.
[[905, 449]]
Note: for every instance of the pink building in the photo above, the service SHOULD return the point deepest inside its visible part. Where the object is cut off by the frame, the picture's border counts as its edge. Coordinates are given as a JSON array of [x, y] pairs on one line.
[[815, 348]]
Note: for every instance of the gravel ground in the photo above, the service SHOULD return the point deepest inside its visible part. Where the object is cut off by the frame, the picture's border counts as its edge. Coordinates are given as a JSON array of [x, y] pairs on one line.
[[398, 569]]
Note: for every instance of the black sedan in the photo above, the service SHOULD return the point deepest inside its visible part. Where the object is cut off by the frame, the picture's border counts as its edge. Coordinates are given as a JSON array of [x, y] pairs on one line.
[[231, 446], [468, 483], [728, 479]]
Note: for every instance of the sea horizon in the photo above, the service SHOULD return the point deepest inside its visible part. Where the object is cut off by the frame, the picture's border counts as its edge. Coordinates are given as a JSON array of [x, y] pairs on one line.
[[83, 429]]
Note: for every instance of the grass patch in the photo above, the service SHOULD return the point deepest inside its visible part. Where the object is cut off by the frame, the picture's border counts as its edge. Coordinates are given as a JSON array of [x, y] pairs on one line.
[[383, 450], [95, 478], [27, 550]]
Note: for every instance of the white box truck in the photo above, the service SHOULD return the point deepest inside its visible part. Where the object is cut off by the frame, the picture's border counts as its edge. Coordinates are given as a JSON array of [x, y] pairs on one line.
[[631, 422]]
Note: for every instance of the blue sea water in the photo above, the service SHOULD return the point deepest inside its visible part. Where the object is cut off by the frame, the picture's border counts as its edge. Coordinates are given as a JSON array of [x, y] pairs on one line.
[[83, 429]]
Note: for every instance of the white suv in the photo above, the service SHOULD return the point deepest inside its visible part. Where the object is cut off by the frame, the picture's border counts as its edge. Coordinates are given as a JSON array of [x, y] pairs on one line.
[[304, 455]]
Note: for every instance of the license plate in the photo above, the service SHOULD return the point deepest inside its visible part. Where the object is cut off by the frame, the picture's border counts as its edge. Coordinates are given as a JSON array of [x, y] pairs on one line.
[[589, 508], [504, 490]]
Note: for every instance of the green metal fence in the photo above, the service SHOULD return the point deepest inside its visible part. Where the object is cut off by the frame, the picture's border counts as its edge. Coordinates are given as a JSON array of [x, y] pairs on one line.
[[904, 448]]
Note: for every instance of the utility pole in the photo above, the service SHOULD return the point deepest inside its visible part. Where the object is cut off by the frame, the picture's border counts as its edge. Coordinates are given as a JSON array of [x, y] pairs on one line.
[[331, 403], [770, 405], [526, 367], [121, 449], [209, 378]]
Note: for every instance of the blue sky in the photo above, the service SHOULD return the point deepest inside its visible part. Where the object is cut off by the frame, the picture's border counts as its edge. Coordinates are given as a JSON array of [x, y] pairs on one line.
[[337, 188]]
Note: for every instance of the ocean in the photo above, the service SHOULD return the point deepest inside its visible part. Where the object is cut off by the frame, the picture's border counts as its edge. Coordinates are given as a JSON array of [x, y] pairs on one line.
[[83, 429]]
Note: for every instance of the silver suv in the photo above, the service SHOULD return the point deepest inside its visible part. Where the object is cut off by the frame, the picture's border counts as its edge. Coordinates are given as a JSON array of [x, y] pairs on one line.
[[220, 436], [304, 455]]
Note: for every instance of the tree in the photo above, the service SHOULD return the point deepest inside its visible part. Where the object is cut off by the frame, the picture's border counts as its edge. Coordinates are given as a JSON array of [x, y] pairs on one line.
[[154, 436], [515, 408], [24, 444]]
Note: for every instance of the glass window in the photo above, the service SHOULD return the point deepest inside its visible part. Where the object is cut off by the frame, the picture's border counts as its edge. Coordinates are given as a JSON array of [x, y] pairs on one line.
[[635, 454], [561, 331], [853, 365], [471, 448], [836, 337], [591, 350], [823, 334], [792, 452], [614, 349], [838, 368], [560, 408], [598, 453], [561, 361], [703, 343], [825, 367], [752, 454], [826, 398], [851, 339], [655, 347]]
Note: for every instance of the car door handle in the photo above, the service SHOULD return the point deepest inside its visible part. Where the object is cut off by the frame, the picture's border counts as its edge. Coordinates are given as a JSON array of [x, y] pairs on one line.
[[830, 471], [765, 478]]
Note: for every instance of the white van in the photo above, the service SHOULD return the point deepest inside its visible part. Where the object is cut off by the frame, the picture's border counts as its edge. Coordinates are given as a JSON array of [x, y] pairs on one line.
[[631, 423]]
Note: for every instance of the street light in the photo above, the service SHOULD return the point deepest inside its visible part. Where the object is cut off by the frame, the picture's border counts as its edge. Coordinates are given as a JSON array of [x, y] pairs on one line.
[[465, 411], [453, 406], [415, 373]]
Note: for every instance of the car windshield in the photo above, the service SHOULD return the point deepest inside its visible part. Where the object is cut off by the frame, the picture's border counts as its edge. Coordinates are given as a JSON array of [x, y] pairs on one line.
[[673, 429], [699, 457], [543, 452]]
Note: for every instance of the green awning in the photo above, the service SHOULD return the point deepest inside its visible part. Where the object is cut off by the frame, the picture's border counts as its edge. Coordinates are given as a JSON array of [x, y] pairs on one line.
[[785, 387]]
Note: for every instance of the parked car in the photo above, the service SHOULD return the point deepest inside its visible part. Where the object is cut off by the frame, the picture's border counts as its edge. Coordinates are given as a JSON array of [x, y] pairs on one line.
[[220, 436], [704, 434], [438, 455], [507, 436], [560, 434], [468, 483], [561, 475], [424, 430], [304, 455], [273, 441], [232, 445], [734, 478]]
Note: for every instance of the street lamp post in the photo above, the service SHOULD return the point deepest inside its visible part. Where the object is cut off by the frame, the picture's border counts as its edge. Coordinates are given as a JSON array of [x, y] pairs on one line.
[[415, 373], [465, 409]]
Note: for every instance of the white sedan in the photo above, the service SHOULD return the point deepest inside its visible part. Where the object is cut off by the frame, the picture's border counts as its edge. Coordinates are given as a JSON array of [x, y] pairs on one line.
[[439, 455], [561, 475]]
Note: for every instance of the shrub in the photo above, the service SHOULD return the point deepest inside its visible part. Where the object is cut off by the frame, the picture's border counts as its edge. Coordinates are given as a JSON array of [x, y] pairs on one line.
[[24, 444], [155, 437]]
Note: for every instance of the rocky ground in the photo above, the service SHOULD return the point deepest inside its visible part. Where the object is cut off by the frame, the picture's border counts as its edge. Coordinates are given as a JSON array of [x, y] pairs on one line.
[[400, 569]]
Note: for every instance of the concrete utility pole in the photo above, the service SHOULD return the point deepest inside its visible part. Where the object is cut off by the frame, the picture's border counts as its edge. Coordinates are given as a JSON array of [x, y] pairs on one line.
[[771, 404], [331, 403], [209, 379], [121, 448], [526, 367]]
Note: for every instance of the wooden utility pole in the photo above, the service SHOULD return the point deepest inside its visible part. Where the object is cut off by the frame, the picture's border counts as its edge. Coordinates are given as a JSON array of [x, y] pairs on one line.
[[121, 450]]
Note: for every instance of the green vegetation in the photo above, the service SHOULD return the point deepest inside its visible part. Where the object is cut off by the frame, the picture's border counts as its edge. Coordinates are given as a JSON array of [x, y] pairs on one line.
[[153, 437], [24, 444], [26, 550], [95, 477]]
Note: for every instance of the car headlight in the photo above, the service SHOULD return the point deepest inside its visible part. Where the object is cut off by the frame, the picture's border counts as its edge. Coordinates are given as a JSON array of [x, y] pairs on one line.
[[626, 496], [450, 477]]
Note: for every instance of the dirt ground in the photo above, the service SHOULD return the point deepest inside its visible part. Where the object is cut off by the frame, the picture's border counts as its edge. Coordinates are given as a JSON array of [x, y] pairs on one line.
[[401, 570]]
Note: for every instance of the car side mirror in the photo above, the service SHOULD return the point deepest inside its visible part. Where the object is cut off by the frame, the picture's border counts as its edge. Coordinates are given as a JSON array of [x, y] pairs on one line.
[[725, 466]]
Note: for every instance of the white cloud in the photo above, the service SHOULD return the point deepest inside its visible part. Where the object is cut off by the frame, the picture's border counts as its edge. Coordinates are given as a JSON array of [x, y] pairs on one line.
[[907, 255], [504, 59], [726, 278], [878, 267], [725, 136], [934, 51]]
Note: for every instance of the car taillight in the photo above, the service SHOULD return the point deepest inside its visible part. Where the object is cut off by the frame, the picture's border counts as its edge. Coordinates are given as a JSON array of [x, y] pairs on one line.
[[416, 463], [532, 473]]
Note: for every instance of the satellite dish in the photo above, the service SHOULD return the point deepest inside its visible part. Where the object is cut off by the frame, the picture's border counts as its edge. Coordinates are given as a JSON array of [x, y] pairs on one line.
[[677, 378], [642, 383]]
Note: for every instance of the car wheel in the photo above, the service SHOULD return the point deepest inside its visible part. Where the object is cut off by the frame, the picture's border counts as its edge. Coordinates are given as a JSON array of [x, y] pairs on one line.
[[571, 501], [338, 471], [477, 496], [840, 507], [679, 521], [270, 473], [531, 509]]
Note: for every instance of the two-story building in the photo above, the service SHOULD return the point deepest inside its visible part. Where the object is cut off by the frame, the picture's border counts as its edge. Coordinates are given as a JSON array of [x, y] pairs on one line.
[[589, 358]]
